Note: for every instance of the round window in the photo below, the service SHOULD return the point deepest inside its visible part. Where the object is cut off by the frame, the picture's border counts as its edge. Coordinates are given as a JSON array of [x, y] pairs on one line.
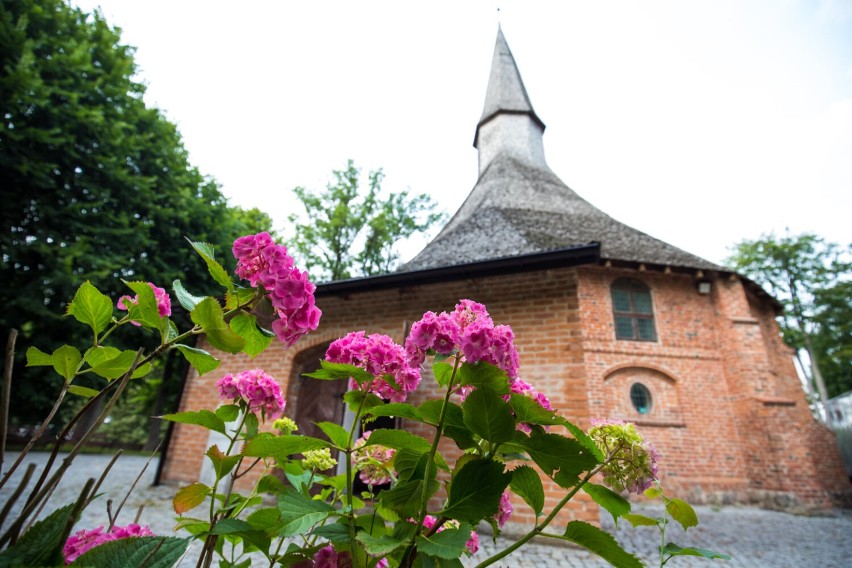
[[640, 396]]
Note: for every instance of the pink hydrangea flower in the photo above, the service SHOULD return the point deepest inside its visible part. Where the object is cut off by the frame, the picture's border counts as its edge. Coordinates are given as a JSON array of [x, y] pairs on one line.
[[469, 330], [291, 293], [374, 463], [164, 302], [82, 541], [380, 356], [504, 510], [257, 389]]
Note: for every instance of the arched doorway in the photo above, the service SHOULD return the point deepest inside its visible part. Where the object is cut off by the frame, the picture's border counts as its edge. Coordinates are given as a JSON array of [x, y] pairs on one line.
[[315, 400]]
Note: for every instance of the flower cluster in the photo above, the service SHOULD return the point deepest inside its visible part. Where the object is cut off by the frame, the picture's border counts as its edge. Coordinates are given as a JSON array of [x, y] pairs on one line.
[[258, 390], [472, 544], [164, 302], [469, 330], [84, 540], [521, 387], [504, 510], [327, 557], [285, 425], [261, 261], [318, 460], [380, 356], [374, 463], [634, 468]]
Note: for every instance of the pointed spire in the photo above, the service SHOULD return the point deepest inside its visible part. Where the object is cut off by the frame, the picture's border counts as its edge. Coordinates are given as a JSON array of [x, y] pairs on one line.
[[520, 132]]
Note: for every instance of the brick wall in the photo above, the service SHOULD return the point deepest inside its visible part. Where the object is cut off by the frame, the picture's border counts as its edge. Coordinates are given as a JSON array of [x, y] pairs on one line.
[[728, 415]]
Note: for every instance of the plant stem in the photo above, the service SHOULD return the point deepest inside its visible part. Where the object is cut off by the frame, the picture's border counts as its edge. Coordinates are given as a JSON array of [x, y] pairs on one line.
[[6, 393], [350, 481]]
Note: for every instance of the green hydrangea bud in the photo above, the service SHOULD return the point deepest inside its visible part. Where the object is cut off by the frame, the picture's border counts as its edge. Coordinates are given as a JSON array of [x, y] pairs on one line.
[[285, 426], [318, 460]]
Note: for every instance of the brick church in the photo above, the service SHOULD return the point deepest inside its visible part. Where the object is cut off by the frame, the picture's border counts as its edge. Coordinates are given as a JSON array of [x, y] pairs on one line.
[[609, 321]]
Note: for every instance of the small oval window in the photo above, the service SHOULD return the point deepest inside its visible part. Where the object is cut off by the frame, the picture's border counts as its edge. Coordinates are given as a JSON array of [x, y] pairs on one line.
[[640, 396]]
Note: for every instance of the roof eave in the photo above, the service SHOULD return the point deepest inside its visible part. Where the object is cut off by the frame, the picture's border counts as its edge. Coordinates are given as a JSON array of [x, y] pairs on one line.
[[559, 258]]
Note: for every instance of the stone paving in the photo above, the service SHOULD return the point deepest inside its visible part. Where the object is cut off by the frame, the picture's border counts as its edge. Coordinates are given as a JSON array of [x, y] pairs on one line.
[[755, 538]]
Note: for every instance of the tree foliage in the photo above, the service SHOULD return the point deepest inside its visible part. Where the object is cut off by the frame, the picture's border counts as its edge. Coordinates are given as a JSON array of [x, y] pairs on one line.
[[94, 184], [811, 279], [348, 232]]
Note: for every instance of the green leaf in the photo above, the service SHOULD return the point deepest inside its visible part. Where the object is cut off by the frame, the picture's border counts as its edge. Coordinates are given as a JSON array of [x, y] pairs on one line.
[[222, 464], [399, 439], [299, 513], [528, 411], [329, 371], [554, 452], [219, 274], [336, 533], [475, 491], [264, 519], [405, 496], [141, 370], [675, 550], [443, 373], [187, 300], [281, 447], [270, 484], [601, 543], [682, 512], [396, 409], [231, 526], [38, 358], [150, 551], [381, 546], [66, 360], [584, 439], [483, 376], [145, 311], [199, 418], [335, 432], [617, 505], [527, 484], [209, 315], [653, 492], [447, 544], [228, 412], [354, 398], [488, 416], [91, 307], [113, 367], [201, 360], [411, 464], [245, 325], [190, 497], [641, 520], [41, 545], [454, 426], [83, 391]]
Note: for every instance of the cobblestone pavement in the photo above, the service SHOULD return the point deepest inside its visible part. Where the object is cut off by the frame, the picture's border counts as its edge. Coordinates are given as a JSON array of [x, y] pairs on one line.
[[755, 538]]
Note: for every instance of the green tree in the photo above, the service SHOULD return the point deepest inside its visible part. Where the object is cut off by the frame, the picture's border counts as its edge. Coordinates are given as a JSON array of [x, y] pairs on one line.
[[348, 233], [94, 184], [810, 277]]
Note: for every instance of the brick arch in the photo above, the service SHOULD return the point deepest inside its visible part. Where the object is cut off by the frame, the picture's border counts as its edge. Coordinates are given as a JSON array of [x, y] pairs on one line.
[[666, 408]]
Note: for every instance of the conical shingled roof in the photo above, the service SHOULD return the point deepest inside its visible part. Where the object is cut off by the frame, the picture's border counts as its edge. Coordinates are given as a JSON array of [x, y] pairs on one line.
[[520, 207]]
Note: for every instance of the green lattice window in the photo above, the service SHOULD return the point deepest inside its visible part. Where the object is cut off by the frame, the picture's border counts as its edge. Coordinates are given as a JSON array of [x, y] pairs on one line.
[[633, 311]]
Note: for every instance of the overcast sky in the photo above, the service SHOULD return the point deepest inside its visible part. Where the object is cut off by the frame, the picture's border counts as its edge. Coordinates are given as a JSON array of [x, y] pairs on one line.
[[700, 123]]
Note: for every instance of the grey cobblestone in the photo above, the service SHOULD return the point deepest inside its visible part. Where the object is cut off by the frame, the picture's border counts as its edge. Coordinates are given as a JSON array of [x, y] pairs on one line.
[[756, 538]]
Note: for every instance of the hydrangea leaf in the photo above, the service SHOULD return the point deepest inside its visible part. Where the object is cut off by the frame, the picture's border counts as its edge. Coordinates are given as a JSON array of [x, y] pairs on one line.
[[219, 274], [337, 533], [617, 505], [584, 439], [66, 360], [682, 512], [447, 544], [341, 371], [184, 297], [488, 416], [675, 550], [38, 358], [335, 432], [483, 376], [601, 543], [150, 551], [208, 314], [554, 452], [379, 546], [41, 545], [245, 325], [281, 447], [411, 464], [190, 497], [405, 497], [527, 484], [358, 398], [529, 411], [228, 412], [144, 310], [83, 391], [476, 490], [443, 373], [112, 367], [222, 463], [91, 307], [200, 418], [299, 513], [201, 360], [641, 520]]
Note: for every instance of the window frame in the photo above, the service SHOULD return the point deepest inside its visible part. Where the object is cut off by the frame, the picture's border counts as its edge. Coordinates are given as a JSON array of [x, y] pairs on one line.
[[633, 287]]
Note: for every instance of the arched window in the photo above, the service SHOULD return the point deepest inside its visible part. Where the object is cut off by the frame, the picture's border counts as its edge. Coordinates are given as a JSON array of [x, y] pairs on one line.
[[632, 310], [640, 397]]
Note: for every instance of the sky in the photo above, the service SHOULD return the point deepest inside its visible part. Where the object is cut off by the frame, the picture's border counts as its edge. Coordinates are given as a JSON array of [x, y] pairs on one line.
[[701, 123]]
